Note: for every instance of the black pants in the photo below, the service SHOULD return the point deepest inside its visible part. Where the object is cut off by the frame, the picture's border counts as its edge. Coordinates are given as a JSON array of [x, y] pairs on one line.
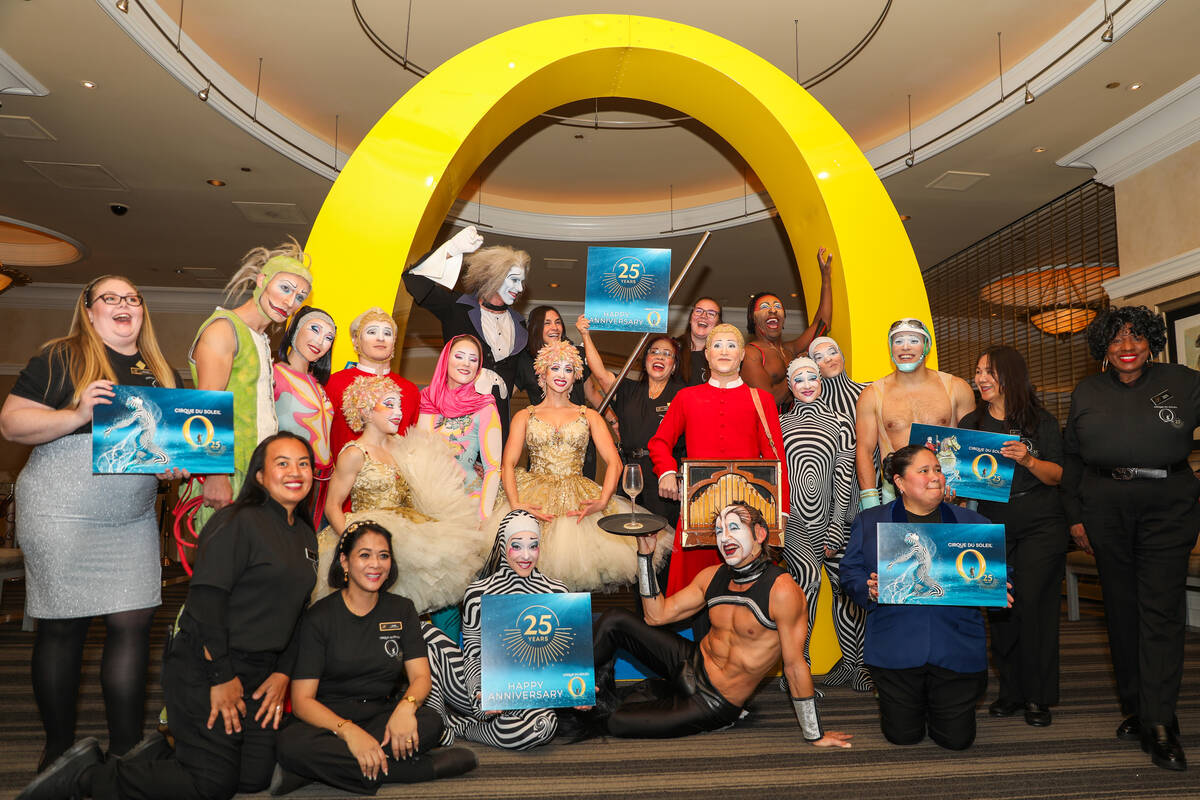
[[318, 754], [934, 698], [1141, 532], [682, 702], [1025, 637], [207, 764]]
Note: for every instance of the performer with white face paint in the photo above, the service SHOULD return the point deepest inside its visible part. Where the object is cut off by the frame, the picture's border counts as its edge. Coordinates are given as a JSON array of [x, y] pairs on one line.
[[911, 393], [748, 614], [495, 278], [457, 674], [819, 443], [837, 390]]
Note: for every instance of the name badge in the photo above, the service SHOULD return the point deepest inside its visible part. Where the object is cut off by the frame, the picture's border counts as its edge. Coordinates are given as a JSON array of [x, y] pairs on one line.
[[311, 555], [387, 627], [662, 409]]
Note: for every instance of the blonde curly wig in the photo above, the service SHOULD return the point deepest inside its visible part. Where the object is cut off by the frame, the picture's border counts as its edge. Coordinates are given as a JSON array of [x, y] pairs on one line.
[[723, 328], [487, 269], [362, 395], [553, 353]]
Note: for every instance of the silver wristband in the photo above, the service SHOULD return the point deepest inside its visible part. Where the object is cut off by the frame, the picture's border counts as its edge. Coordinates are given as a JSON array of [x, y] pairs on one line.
[[647, 580], [808, 717]]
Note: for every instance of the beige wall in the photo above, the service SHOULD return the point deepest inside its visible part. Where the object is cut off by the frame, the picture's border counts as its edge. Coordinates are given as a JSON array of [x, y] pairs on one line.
[[1158, 213]]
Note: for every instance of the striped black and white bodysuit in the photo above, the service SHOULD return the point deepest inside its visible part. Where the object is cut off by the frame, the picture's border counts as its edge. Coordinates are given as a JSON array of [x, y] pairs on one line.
[[457, 674]]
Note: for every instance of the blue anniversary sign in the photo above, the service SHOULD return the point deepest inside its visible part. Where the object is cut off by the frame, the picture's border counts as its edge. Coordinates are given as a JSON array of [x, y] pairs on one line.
[[627, 289], [970, 460], [942, 565], [537, 651], [149, 430]]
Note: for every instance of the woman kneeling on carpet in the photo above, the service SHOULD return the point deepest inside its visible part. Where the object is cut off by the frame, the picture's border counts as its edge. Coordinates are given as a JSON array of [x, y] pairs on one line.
[[356, 648]]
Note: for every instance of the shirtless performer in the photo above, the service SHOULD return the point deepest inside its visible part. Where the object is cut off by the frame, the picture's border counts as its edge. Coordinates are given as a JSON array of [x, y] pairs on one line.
[[910, 393], [767, 355], [749, 613]]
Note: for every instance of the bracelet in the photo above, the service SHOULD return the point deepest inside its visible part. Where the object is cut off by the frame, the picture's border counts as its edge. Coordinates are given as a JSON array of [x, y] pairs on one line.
[[647, 580], [412, 700], [808, 717], [338, 730], [869, 498]]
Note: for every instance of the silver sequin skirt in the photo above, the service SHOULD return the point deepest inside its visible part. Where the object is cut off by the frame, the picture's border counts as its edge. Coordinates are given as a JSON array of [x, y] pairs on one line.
[[90, 541]]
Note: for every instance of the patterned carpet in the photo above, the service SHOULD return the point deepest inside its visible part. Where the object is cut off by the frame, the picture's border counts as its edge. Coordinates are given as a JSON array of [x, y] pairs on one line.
[[764, 757]]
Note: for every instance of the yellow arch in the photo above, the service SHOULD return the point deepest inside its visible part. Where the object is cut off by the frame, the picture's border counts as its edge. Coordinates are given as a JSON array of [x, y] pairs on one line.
[[397, 187]]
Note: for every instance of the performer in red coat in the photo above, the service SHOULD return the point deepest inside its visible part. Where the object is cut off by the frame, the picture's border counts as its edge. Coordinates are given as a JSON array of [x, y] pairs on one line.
[[373, 333], [717, 419]]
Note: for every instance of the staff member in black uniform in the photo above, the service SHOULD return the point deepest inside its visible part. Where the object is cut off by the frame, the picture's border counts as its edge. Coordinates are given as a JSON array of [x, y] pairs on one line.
[[356, 648], [693, 366], [640, 406], [1131, 499], [226, 670], [1024, 637]]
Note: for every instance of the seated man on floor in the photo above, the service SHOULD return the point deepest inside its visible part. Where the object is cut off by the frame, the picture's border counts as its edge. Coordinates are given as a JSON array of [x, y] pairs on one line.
[[750, 612]]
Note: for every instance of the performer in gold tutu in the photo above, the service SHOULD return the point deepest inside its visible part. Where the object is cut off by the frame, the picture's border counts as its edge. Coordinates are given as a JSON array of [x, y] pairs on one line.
[[575, 550], [410, 485]]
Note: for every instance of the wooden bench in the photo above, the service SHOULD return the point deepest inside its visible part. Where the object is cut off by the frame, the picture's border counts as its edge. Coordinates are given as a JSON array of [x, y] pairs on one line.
[[1080, 563]]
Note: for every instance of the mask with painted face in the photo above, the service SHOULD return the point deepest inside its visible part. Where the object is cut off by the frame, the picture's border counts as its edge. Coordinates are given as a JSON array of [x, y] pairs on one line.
[[905, 337]]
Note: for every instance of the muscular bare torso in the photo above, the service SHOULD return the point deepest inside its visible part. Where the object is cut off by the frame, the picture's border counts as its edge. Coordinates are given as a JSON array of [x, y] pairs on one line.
[[738, 651], [771, 360], [927, 402]]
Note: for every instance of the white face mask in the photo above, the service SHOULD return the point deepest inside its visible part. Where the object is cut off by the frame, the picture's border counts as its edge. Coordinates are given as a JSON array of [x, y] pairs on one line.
[[806, 386], [735, 539], [522, 553], [514, 284], [908, 351]]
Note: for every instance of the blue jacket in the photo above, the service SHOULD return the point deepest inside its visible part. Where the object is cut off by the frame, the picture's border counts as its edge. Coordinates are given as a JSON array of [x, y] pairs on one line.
[[901, 637]]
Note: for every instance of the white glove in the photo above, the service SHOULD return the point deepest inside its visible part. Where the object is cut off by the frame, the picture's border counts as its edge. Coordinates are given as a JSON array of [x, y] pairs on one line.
[[445, 263], [488, 379]]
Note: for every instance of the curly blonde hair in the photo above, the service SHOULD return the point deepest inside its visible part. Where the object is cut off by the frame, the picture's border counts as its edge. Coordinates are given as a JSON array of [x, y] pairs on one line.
[[724, 327], [362, 395], [553, 353], [487, 269]]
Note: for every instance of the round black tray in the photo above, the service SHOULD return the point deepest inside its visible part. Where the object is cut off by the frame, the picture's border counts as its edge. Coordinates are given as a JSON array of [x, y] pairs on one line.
[[649, 523]]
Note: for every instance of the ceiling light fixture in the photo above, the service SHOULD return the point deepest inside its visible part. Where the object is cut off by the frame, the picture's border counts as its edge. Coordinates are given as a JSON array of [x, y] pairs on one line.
[[10, 277], [554, 286], [1133, 87], [911, 158], [1029, 98], [905, 217], [88, 84], [123, 6], [1107, 36], [215, 182], [203, 93], [1112, 85], [1039, 149]]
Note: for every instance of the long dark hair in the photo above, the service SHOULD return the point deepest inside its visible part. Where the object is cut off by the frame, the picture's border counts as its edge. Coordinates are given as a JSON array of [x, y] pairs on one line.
[[684, 340], [1021, 404], [350, 536], [537, 320], [254, 493], [322, 366], [898, 461]]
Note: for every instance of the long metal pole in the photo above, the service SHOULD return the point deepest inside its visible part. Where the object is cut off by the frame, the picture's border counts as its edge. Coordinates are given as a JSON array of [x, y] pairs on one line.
[[641, 343]]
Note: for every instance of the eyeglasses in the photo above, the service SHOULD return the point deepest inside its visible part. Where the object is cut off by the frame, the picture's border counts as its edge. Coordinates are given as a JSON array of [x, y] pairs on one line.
[[662, 352], [114, 299], [705, 312]]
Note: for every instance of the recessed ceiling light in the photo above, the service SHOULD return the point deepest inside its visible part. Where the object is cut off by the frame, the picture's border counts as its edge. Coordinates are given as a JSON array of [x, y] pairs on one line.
[[1133, 87], [822, 175], [245, 169], [905, 217], [1112, 85], [795, 294], [215, 182], [88, 84], [1039, 149], [554, 286]]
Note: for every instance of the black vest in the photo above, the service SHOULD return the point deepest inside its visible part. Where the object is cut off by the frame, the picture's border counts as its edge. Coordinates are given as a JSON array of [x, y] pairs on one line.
[[757, 598]]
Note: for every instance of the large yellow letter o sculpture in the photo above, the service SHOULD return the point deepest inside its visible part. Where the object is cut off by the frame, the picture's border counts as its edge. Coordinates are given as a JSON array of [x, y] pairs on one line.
[[397, 187]]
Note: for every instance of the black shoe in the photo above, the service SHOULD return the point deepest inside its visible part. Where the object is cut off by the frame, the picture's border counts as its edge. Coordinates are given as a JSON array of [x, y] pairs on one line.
[[1131, 729], [284, 782], [839, 674], [61, 779], [1037, 715], [1164, 748], [1004, 708], [451, 761], [151, 748]]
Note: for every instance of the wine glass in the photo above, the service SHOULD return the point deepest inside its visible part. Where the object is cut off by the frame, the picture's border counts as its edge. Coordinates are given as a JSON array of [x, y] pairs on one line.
[[631, 482]]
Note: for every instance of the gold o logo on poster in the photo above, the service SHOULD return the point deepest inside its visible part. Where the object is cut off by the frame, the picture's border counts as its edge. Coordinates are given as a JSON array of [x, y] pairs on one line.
[[653, 319], [576, 687], [994, 466], [982, 563], [209, 433]]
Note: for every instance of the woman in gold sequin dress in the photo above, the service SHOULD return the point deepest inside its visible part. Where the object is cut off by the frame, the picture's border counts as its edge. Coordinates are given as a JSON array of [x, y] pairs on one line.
[[410, 485], [574, 549]]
